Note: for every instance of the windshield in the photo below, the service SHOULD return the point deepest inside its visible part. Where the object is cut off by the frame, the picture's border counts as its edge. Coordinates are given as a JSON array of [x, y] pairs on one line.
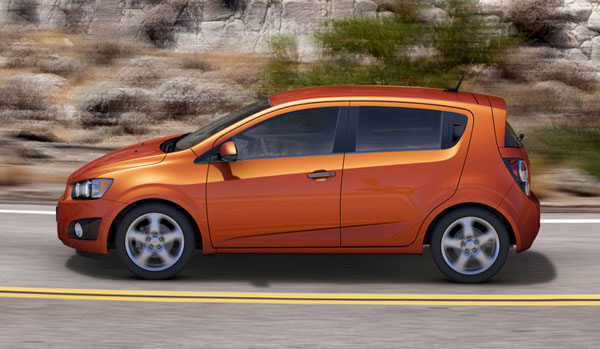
[[218, 124]]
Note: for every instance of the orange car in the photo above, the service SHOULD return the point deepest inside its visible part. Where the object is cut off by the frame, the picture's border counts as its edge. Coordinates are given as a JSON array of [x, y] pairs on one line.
[[343, 169]]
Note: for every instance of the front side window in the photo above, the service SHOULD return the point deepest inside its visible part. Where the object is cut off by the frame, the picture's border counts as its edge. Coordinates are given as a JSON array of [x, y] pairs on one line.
[[398, 129], [297, 133]]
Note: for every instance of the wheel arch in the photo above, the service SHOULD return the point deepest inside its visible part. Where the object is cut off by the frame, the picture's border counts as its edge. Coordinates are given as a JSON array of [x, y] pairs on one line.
[[115, 223], [509, 228]]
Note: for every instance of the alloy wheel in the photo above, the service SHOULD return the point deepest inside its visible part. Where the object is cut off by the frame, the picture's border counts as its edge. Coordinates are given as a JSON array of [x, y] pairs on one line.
[[154, 241], [470, 245]]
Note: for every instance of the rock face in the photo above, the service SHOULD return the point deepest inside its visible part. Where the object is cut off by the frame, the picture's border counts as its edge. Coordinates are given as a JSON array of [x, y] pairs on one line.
[[247, 25]]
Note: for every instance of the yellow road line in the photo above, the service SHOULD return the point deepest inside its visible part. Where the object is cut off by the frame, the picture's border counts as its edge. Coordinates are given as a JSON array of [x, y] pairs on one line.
[[302, 298]]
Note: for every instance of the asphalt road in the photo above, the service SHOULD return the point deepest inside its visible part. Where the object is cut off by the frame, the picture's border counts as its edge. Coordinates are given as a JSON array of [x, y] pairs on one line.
[[564, 260]]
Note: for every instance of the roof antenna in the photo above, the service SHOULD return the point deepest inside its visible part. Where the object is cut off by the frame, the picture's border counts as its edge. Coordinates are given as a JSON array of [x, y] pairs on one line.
[[461, 79]]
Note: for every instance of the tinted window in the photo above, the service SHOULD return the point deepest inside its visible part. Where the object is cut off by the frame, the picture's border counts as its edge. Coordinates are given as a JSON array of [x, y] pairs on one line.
[[302, 132], [511, 139], [391, 128]]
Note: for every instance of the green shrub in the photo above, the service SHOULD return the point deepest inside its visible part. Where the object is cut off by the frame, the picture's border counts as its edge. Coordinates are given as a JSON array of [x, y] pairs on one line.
[[235, 5], [107, 52], [567, 143], [22, 93], [134, 123], [534, 19], [393, 50], [592, 162], [196, 62], [24, 11], [161, 21], [282, 69], [105, 104], [466, 36]]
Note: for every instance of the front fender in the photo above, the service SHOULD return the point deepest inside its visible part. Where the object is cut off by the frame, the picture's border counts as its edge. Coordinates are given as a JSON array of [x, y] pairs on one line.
[[184, 199], [176, 179]]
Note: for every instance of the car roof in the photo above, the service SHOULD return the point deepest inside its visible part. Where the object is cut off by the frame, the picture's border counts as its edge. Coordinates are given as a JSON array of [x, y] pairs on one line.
[[383, 91]]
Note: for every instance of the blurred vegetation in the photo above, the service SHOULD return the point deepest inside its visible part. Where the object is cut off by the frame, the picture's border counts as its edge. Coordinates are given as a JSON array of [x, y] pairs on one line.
[[397, 49], [534, 18], [567, 144]]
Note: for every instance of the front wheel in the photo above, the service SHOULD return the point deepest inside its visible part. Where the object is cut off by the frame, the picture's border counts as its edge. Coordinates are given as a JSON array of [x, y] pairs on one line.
[[470, 245], [155, 241]]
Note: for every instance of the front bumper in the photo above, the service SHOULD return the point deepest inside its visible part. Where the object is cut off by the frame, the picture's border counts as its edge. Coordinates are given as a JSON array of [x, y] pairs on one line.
[[68, 211]]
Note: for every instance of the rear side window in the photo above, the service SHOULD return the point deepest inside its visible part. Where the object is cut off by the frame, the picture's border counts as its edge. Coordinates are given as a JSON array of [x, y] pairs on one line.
[[298, 133], [392, 129], [511, 139]]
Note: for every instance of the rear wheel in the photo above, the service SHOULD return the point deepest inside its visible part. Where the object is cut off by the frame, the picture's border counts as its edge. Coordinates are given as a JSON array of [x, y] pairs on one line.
[[155, 241], [470, 245]]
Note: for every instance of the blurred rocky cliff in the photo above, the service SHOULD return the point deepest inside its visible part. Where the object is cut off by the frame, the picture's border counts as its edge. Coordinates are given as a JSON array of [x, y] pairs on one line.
[[570, 28], [245, 25]]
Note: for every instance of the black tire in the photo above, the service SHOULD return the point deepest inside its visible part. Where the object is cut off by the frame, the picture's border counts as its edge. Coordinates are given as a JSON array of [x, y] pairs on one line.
[[453, 221], [184, 246]]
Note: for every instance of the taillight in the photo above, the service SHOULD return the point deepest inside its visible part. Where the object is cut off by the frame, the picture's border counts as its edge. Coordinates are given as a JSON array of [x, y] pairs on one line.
[[518, 169]]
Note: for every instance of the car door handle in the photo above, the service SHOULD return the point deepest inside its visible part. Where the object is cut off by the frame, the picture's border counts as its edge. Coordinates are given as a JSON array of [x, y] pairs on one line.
[[321, 175]]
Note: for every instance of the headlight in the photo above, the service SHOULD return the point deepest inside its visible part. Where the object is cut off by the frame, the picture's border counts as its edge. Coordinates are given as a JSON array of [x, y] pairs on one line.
[[90, 189]]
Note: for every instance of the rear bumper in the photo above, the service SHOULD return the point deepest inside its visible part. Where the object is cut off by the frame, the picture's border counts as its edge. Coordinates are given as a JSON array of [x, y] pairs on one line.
[[523, 213], [68, 211]]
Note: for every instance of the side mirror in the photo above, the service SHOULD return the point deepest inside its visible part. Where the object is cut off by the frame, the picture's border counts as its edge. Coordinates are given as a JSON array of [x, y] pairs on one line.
[[228, 152]]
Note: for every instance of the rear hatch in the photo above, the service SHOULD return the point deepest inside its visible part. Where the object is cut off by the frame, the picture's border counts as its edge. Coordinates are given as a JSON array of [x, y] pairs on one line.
[[511, 148]]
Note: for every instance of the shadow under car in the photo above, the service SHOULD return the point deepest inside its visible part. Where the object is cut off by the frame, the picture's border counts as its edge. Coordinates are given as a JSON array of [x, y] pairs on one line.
[[525, 268]]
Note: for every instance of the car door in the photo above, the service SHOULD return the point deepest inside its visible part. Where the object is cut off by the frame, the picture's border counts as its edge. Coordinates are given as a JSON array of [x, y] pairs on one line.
[[403, 160], [284, 189]]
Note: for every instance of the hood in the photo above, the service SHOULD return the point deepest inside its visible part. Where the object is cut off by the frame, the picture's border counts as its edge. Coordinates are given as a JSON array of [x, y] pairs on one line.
[[139, 154]]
